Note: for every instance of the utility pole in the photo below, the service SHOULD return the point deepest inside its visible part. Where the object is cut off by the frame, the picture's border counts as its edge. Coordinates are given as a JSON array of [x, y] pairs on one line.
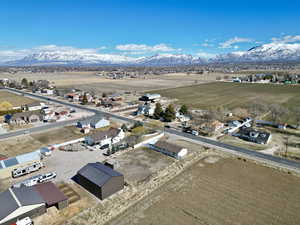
[[286, 145]]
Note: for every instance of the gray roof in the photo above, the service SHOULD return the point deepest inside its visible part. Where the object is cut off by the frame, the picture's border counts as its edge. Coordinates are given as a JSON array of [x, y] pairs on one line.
[[28, 196], [98, 173], [10, 162], [25, 195], [33, 104], [100, 135], [9, 206], [168, 146], [25, 114], [91, 121]]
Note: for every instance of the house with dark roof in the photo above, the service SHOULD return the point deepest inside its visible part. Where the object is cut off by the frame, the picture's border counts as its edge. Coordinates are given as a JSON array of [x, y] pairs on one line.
[[169, 149], [100, 180], [18, 203]]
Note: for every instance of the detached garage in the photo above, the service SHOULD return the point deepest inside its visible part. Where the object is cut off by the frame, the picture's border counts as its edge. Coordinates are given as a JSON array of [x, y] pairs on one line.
[[100, 180], [52, 195]]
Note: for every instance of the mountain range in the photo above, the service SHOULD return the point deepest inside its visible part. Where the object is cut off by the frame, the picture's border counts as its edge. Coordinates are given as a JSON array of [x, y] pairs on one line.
[[264, 53]]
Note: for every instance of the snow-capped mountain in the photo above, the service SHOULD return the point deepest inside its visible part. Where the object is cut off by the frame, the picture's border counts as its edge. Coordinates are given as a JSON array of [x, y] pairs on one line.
[[76, 58], [264, 53], [169, 59], [66, 58]]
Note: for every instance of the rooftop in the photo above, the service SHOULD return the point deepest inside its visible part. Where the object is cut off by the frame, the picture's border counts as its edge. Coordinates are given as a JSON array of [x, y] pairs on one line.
[[98, 173], [168, 146]]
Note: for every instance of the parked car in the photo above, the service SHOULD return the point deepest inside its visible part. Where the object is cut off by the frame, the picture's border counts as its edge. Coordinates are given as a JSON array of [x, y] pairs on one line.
[[104, 147], [46, 177]]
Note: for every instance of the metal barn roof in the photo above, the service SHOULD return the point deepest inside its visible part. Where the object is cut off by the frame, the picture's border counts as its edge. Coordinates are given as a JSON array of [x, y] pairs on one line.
[[50, 193], [9, 206], [98, 173], [28, 196]]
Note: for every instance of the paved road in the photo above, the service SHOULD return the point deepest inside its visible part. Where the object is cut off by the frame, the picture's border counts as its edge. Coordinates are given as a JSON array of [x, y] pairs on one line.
[[269, 159], [276, 161]]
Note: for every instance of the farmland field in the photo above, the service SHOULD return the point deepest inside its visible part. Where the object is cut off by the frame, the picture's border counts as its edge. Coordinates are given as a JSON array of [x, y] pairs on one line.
[[15, 100], [233, 94], [225, 192]]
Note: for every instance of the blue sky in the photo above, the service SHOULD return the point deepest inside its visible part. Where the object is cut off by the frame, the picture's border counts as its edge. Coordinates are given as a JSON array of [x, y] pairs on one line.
[[137, 27]]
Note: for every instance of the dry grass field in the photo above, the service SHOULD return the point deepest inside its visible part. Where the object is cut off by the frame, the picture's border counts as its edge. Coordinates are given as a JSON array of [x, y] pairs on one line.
[[28, 143], [14, 99], [232, 95], [89, 81], [220, 192]]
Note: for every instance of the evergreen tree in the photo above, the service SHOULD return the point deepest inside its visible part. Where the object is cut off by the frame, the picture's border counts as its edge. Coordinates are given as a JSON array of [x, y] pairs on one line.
[[84, 99], [170, 113], [24, 82], [183, 110], [124, 127], [158, 112]]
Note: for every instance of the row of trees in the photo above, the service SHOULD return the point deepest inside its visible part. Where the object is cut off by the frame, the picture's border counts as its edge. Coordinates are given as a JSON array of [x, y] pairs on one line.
[[169, 114]]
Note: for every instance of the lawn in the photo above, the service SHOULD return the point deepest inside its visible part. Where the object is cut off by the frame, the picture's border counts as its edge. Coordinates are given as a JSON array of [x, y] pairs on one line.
[[232, 95]]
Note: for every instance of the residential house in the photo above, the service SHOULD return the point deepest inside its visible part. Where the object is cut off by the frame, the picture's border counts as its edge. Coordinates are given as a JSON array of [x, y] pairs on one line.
[[74, 97], [146, 109], [252, 135], [182, 118], [83, 123], [150, 97], [48, 91], [169, 149], [34, 106], [99, 122], [110, 136], [24, 117]]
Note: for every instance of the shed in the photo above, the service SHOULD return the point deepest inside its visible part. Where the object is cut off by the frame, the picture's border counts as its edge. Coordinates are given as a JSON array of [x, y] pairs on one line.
[[100, 180], [20, 203], [52, 195], [169, 149]]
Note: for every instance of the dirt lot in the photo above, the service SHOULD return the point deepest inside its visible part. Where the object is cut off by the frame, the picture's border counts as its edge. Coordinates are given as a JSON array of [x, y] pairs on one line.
[[140, 164], [227, 191], [28, 143], [14, 99]]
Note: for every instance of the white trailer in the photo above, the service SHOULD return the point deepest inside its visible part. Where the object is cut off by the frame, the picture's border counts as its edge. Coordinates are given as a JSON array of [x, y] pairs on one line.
[[27, 169], [25, 221]]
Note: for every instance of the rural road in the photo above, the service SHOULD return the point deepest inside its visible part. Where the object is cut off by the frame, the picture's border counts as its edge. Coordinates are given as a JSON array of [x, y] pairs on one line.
[[238, 151]]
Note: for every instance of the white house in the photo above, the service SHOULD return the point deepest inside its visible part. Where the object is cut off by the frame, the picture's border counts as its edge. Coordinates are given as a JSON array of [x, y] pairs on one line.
[[169, 149], [95, 122], [34, 106], [146, 109], [99, 123], [110, 136], [182, 118]]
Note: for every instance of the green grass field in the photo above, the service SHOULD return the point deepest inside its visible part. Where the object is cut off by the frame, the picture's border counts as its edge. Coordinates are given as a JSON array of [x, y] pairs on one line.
[[232, 95]]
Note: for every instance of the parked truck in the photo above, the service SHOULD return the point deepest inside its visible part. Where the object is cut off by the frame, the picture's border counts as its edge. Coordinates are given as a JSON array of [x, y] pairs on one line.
[[18, 172]]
